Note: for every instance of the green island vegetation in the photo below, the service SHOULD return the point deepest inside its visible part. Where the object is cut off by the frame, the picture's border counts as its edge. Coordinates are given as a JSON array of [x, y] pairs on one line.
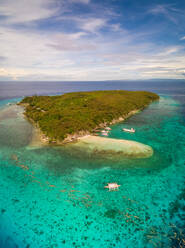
[[72, 113]]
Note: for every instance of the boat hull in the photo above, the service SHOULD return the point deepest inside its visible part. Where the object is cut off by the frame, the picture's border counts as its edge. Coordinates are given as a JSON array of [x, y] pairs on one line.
[[128, 130]]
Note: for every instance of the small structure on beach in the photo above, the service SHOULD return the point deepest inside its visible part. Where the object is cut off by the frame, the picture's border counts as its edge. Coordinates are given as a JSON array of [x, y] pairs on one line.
[[112, 186]]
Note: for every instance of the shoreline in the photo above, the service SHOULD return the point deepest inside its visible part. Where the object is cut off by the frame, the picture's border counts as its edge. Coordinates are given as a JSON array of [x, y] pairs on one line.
[[97, 144], [89, 143], [75, 137], [38, 135], [70, 135]]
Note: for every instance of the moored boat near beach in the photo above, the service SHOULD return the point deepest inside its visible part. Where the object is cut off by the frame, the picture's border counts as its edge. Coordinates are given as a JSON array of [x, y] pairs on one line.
[[108, 128], [132, 130], [104, 133]]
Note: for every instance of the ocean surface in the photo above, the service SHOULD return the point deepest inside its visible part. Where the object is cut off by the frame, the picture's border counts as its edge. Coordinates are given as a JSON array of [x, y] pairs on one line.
[[55, 197]]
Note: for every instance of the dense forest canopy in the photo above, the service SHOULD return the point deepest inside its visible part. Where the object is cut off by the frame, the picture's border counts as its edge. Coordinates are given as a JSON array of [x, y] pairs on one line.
[[59, 116]]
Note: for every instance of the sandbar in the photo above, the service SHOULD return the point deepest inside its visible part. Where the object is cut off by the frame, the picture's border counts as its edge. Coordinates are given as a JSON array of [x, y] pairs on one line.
[[123, 147]]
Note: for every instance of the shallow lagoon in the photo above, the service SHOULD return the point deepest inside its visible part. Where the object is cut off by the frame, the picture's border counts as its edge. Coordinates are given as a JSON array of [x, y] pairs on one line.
[[55, 197]]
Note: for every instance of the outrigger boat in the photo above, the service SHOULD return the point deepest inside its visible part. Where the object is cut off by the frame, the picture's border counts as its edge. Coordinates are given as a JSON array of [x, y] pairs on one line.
[[112, 186], [108, 128], [132, 130], [104, 133]]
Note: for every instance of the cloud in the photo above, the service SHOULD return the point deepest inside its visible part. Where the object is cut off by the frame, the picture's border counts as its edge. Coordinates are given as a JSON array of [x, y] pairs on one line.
[[159, 9], [64, 42], [68, 45], [183, 38], [170, 50], [21, 11], [116, 27], [24, 11], [92, 24], [4, 73], [87, 24], [167, 10], [59, 56], [2, 59], [80, 1], [29, 50]]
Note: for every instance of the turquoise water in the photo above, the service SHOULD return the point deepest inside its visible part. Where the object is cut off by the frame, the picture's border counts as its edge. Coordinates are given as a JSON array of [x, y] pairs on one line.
[[55, 196]]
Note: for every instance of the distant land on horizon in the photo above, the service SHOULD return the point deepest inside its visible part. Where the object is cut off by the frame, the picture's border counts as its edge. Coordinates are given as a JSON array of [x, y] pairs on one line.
[[88, 81]]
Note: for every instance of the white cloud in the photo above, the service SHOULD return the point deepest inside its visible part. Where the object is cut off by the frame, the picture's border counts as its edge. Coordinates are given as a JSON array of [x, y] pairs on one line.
[[81, 1], [21, 11], [84, 54], [92, 24], [25, 11], [71, 42], [116, 27], [169, 50], [159, 9], [29, 50], [11, 73], [88, 24], [30, 58], [183, 38], [166, 10]]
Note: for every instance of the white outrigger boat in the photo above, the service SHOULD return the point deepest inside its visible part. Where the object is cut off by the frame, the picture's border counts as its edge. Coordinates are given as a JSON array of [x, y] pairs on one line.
[[108, 128], [104, 132], [132, 130], [112, 186]]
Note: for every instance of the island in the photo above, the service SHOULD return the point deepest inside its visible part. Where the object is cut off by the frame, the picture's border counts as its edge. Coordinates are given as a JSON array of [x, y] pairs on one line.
[[72, 116]]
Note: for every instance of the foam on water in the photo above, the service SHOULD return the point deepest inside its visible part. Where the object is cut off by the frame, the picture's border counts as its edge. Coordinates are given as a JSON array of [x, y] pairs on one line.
[[55, 197]]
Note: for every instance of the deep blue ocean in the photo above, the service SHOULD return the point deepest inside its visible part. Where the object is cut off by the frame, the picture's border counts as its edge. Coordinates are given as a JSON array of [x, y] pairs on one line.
[[55, 197]]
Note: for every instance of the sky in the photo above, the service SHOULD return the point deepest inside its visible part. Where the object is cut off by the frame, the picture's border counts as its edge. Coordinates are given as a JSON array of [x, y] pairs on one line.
[[88, 40]]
